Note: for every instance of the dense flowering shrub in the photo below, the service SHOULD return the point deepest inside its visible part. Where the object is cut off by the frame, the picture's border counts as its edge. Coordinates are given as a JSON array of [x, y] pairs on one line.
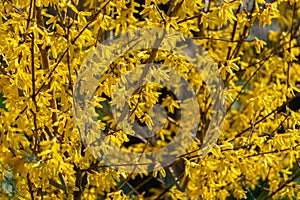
[[43, 44]]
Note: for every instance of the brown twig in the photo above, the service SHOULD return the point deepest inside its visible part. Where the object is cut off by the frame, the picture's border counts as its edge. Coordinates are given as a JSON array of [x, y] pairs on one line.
[[30, 187], [46, 67], [33, 96], [289, 180], [29, 14], [260, 63], [290, 45], [92, 19], [243, 36], [169, 187], [275, 151], [257, 122], [80, 182]]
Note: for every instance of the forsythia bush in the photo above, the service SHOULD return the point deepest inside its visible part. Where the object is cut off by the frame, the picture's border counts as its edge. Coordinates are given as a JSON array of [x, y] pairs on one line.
[[43, 44]]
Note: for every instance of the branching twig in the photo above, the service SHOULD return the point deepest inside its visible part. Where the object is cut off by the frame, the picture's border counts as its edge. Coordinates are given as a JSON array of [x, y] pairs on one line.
[[169, 187], [80, 182], [92, 19], [46, 67], [30, 187], [275, 151], [289, 180], [265, 117]]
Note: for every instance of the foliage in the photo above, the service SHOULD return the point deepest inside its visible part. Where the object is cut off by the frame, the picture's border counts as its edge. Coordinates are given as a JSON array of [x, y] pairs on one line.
[[44, 42]]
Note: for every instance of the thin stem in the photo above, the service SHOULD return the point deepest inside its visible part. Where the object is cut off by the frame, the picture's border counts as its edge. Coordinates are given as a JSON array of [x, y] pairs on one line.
[[30, 187], [284, 184]]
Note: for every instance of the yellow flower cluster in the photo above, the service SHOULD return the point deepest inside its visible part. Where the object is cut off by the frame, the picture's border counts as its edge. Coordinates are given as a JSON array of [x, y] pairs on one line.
[[43, 44]]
